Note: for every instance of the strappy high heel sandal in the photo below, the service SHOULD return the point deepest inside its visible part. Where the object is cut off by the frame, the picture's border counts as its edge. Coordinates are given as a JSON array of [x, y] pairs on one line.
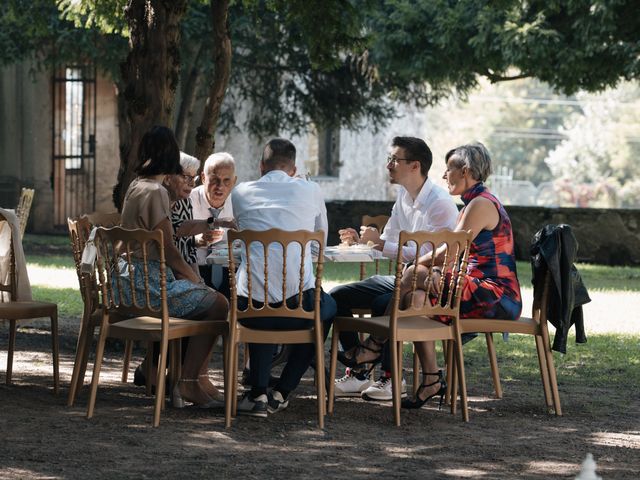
[[418, 402], [353, 362], [178, 401]]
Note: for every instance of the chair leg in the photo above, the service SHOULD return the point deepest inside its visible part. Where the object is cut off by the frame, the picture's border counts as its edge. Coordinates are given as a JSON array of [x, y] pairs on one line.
[[102, 338], [76, 382], [448, 351], [231, 383], [544, 372], [128, 347], [396, 381], [552, 370], [149, 369], [416, 372], [160, 383], [332, 370], [234, 376], [85, 359], [461, 378], [55, 352], [320, 378], [12, 345], [454, 379], [493, 361]]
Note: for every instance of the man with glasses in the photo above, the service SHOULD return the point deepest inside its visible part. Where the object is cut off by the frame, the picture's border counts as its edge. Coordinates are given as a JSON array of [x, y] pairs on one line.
[[420, 206], [213, 199]]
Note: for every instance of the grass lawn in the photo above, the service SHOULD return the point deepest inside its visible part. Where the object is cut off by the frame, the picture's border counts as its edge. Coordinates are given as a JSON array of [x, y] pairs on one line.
[[53, 252], [595, 277]]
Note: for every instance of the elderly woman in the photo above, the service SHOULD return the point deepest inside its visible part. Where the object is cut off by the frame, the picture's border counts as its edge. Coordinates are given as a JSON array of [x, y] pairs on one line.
[[491, 289], [147, 206], [179, 187]]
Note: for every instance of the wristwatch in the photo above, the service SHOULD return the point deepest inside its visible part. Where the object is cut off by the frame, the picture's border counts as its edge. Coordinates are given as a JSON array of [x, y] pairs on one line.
[[212, 223]]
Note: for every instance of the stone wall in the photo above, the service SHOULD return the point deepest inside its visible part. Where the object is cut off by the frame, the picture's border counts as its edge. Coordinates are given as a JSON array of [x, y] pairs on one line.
[[605, 236]]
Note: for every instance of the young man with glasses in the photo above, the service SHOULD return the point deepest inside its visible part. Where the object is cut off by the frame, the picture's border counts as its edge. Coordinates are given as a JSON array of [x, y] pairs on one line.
[[420, 206]]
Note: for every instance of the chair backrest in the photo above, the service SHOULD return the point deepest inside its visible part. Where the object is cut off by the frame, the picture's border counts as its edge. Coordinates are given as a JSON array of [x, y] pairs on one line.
[[451, 262], [79, 234], [102, 219], [129, 274], [24, 207], [256, 245], [8, 280]]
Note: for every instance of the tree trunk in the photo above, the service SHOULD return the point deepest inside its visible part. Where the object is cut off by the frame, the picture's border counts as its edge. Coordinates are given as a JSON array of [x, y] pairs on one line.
[[205, 141], [149, 76], [191, 89]]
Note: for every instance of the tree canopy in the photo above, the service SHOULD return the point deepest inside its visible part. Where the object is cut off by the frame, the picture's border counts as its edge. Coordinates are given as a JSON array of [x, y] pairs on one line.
[[329, 63]]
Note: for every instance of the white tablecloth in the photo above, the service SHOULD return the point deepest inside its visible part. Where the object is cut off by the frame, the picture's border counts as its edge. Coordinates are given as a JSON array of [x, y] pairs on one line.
[[356, 254], [23, 290]]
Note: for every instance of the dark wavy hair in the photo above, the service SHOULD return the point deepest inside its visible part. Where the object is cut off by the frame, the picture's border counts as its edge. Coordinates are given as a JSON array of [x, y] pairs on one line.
[[158, 153]]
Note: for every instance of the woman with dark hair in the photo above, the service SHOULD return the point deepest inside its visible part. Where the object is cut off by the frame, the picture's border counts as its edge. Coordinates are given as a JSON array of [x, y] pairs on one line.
[[491, 289], [147, 206]]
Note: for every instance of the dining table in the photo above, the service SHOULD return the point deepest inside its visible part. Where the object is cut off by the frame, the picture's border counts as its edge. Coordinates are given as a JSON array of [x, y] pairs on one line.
[[219, 254]]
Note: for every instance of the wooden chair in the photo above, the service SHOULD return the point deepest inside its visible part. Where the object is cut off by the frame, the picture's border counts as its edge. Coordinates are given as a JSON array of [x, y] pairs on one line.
[[15, 311], [121, 250], [413, 324], [379, 222], [92, 310], [240, 334], [24, 207], [535, 325]]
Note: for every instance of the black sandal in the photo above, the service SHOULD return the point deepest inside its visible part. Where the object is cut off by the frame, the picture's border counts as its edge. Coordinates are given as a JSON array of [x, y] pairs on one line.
[[418, 402], [352, 361]]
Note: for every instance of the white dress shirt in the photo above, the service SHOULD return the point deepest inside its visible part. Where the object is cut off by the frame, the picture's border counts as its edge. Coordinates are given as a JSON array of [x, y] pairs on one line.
[[201, 211], [277, 200], [432, 210]]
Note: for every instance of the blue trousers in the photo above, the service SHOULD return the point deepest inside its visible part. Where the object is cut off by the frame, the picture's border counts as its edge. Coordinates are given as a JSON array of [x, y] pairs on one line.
[[374, 293], [300, 356]]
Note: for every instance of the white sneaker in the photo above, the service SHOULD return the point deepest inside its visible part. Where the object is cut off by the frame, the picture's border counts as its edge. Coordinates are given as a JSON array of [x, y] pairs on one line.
[[381, 390], [352, 384]]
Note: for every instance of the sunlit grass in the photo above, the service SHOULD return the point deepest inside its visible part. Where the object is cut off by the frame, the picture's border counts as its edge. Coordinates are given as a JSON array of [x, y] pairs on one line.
[[68, 299], [595, 277]]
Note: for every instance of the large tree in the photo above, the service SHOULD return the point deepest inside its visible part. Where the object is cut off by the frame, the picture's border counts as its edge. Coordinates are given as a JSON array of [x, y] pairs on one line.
[[326, 62]]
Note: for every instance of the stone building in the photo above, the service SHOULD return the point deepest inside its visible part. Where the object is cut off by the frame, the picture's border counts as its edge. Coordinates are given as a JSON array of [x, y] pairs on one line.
[[59, 135]]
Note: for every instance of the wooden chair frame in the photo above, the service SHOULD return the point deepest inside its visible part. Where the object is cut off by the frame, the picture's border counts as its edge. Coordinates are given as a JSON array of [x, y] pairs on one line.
[[241, 334], [92, 308], [413, 324], [117, 250], [535, 325], [24, 208], [15, 311]]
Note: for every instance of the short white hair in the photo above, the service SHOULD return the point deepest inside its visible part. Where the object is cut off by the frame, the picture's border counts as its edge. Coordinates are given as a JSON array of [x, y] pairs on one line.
[[189, 163], [219, 159]]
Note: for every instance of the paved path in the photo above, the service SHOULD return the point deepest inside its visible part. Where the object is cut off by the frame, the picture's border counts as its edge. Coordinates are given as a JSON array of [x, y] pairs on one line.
[[612, 312]]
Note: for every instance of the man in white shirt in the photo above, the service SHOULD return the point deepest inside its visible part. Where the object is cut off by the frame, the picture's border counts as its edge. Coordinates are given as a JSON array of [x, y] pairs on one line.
[[213, 199], [278, 200], [420, 206]]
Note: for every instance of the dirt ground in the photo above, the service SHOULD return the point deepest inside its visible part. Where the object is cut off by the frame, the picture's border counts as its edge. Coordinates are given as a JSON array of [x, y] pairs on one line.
[[509, 438]]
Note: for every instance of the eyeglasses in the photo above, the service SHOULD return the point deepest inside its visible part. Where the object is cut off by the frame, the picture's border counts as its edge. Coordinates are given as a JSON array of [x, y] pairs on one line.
[[189, 179], [391, 159]]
